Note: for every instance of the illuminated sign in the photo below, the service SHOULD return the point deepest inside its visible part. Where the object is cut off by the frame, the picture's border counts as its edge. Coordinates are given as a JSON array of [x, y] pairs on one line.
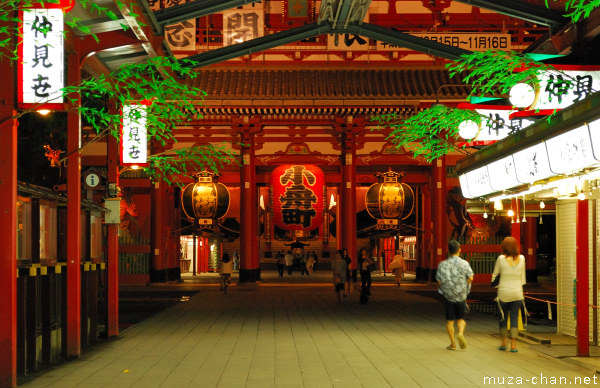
[[570, 151], [478, 182], [298, 197], [532, 164], [134, 140], [503, 174], [558, 90], [41, 58]]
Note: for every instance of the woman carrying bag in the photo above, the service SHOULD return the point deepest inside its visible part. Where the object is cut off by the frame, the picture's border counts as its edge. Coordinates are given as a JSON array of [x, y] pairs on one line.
[[510, 267]]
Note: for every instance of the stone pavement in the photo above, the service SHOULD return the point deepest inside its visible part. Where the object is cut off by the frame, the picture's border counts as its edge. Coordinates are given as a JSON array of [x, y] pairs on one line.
[[295, 334]]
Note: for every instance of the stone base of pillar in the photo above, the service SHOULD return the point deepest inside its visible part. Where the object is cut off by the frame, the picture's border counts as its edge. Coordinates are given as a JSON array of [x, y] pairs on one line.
[[249, 275]]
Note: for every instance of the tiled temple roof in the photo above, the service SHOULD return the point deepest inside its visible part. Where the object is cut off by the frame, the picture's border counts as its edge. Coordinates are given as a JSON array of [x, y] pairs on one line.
[[409, 84]]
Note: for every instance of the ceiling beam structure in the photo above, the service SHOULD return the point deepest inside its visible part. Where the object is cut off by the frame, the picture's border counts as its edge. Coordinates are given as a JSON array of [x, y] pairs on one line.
[[195, 9], [405, 40], [258, 44], [314, 29], [522, 10]]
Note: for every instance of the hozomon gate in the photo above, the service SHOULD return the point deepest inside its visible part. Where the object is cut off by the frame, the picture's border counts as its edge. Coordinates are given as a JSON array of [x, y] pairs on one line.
[[302, 98]]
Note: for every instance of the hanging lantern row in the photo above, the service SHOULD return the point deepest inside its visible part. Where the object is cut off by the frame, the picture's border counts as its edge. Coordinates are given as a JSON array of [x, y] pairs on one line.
[[389, 200], [298, 198], [206, 199]]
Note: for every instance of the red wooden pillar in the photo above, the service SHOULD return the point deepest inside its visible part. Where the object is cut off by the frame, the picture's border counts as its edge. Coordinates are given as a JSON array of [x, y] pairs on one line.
[[348, 197], [583, 276], [530, 251], [8, 226], [112, 254], [425, 260], [159, 270], [249, 260], [515, 228], [173, 241], [73, 212], [438, 213]]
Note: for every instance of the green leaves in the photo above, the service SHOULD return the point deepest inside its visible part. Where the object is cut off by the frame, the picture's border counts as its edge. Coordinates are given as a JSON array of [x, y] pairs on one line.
[[184, 161], [430, 133], [495, 72], [578, 9]]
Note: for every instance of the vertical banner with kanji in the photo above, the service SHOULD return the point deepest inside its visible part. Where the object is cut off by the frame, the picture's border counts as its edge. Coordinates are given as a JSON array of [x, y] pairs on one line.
[[134, 140], [41, 58], [241, 25], [297, 197]]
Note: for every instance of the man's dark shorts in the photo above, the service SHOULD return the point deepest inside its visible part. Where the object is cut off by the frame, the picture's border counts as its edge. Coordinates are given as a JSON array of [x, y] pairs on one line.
[[455, 310]]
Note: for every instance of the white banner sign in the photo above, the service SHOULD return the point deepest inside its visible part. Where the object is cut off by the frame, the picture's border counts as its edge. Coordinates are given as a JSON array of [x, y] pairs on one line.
[[134, 149], [478, 182], [503, 174], [241, 25], [570, 151], [532, 164], [558, 90], [42, 56], [467, 41]]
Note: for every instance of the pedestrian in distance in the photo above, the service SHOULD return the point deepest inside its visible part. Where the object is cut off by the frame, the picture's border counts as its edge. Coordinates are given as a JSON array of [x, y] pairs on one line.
[[455, 277], [510, 267], [364, 263], [339, 269], [397, 266], [310, 262], [348, 285], [226, 271], [289, 262], [280, 258]]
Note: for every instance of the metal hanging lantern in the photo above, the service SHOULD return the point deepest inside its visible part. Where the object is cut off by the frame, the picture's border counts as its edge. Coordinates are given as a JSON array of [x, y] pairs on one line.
[[206, 199], [389, 200]]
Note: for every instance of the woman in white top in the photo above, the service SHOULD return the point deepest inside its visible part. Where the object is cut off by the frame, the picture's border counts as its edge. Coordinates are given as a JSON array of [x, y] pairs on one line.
[[510, 266]]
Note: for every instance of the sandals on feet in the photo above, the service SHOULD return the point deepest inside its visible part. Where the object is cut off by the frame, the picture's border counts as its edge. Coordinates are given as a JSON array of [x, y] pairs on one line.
[[461, 341], [449, 347]]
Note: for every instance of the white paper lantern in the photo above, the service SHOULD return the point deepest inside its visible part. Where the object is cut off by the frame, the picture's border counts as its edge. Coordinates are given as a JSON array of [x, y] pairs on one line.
[[522, 95], [468, 129]]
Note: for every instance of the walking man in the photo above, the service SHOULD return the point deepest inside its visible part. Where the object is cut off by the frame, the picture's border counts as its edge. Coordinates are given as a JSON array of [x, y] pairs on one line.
[[455, 276]]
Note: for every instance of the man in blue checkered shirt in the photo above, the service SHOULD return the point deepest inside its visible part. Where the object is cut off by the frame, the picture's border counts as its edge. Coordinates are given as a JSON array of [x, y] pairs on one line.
[[455, 276]]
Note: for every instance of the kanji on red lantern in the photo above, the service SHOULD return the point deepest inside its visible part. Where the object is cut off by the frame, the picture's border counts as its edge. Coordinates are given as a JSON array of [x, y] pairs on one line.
[[297, 196]]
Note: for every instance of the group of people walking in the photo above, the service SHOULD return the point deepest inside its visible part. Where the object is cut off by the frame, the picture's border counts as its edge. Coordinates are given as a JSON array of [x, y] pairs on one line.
[[344, 274], [455, 277], [296, 259]]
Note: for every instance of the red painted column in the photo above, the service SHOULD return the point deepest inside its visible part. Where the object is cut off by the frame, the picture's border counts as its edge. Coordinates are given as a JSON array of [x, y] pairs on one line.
[[439, 213], [159, 270], [112, 254], [515, 227], [73, 215], [8, 226], [249, 260], [348, 197], [530, 250], [583, 276], [425, 261]]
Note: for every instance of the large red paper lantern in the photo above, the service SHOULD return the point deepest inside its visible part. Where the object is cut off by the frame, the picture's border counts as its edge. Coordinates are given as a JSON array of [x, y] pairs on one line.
[[297, 196]]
